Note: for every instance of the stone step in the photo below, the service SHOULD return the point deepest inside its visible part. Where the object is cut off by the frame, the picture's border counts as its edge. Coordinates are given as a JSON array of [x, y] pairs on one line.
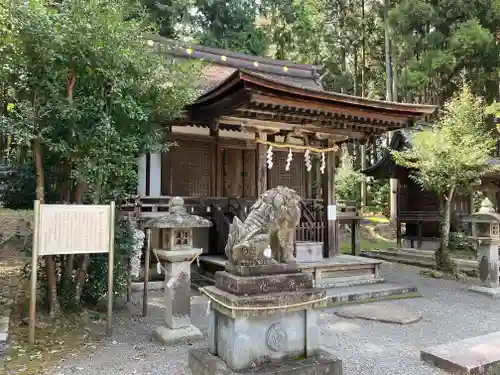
[[420, 260], [401, 259], [342, 282], [370, 293], [476, 355], [414, 255]]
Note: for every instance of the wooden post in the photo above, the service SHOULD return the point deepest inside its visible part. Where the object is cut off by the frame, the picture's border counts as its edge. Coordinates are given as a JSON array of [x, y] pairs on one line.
[[218, 178], [34, 270], [355, 237], [111, 258], [146, 273], [331, 240], [398, 216], [261, 166], [129, 282], [419, 234]]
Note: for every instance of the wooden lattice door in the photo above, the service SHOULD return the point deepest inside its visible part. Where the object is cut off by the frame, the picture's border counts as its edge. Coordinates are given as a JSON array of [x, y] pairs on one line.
[[239, 173]]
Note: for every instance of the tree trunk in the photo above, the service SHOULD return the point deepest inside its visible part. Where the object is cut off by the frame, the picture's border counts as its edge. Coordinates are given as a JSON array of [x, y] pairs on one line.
[[49, 259], [82, 272], [442, 257], [446, 221], [362, 149]]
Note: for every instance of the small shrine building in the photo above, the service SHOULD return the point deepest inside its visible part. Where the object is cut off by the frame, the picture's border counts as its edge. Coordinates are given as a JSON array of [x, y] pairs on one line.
[[260, 123]]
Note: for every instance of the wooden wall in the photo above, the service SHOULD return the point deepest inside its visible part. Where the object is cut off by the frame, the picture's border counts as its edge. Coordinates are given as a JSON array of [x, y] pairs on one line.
[[192, 169], [295, 178]]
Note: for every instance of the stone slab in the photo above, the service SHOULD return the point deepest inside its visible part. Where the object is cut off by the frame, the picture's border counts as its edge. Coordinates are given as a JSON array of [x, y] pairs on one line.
[[169, 336], [343, 282], [250, 285], [473, 356], [370, 293], [269, 269], [491, 292], [264, 304], [381, 312], [342, 262], [202, 362]]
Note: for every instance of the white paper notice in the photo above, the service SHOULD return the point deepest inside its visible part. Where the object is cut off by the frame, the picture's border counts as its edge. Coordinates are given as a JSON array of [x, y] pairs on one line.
[[332, 212], [74, 229]]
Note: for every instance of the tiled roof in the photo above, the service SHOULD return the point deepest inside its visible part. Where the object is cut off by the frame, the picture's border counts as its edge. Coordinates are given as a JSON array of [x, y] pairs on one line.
[[222, 63]]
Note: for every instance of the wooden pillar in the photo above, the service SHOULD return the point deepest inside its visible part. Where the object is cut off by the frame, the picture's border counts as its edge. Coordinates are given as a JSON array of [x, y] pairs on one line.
[[398, 218], [148, 174], [218, 182], [261, 165], [355, 237], [331, 246], [419, 235]]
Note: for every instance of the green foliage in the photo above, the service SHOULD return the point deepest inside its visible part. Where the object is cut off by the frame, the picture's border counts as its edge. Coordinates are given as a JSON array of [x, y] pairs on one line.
[[347, 183], [452, 155], [216, 23], [459, 242], [95, 292], [86, 85], [454, 152], [379, 195]]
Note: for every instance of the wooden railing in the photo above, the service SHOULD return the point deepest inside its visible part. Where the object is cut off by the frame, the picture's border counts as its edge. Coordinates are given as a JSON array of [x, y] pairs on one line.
[[220, 209]]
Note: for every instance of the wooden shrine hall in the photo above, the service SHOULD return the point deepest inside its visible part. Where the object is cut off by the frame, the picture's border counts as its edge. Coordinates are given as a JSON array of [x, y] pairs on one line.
[[247, 105]]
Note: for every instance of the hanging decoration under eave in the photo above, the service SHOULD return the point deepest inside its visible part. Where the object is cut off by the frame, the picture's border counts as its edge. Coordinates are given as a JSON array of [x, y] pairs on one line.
[[291, 147]]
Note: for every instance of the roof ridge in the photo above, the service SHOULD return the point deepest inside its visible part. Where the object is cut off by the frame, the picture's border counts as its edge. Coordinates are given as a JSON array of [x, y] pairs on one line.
[[225, 56]]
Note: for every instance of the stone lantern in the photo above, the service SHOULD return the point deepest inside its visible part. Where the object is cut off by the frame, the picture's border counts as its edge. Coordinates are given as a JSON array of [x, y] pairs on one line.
[[486, 237], [175, 230]]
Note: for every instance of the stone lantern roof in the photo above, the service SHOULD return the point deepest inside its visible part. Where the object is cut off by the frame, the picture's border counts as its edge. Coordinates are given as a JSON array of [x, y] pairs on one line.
[[178, 217]]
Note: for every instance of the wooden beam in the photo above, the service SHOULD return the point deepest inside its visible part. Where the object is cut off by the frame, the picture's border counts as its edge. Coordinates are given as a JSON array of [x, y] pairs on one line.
[[275, 126], [329, 108], [261, 112]]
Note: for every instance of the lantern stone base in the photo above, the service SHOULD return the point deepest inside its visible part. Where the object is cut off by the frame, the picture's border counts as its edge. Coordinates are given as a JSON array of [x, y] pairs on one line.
[[491, 292], [177, 322], [169, 336]]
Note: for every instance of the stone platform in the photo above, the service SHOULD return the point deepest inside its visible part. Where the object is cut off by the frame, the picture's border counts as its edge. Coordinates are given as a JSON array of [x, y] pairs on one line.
[[346, 279], [474, 356], [202, 362]]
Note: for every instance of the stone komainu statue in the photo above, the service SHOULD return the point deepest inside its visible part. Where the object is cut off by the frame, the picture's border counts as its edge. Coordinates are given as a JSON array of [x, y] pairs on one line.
[[271, 222]]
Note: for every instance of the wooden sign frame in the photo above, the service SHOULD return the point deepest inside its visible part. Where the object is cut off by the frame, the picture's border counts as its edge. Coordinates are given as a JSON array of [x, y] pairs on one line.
[[55, 241]]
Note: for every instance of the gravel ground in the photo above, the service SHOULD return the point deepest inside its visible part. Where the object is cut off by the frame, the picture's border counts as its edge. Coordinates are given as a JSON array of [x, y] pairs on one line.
[[450, 313]]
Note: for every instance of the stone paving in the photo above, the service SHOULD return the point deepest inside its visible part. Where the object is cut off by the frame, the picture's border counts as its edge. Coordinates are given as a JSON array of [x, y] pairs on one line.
[[449, 312]]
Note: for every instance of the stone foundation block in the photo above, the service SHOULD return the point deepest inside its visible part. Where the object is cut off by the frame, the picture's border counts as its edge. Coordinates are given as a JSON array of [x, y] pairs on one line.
[[202, 362], [247, 342], [490, 292], [474, 356], [264, 304], [241, 285], [169, 336], [269, 269]]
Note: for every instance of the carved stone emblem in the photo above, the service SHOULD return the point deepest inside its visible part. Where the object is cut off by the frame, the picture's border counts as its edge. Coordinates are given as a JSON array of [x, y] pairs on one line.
[[484, 269], [277, 337]]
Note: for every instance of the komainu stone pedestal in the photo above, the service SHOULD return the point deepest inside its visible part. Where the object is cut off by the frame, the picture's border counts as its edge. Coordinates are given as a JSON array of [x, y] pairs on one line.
[[178, 327], [263, 321]]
